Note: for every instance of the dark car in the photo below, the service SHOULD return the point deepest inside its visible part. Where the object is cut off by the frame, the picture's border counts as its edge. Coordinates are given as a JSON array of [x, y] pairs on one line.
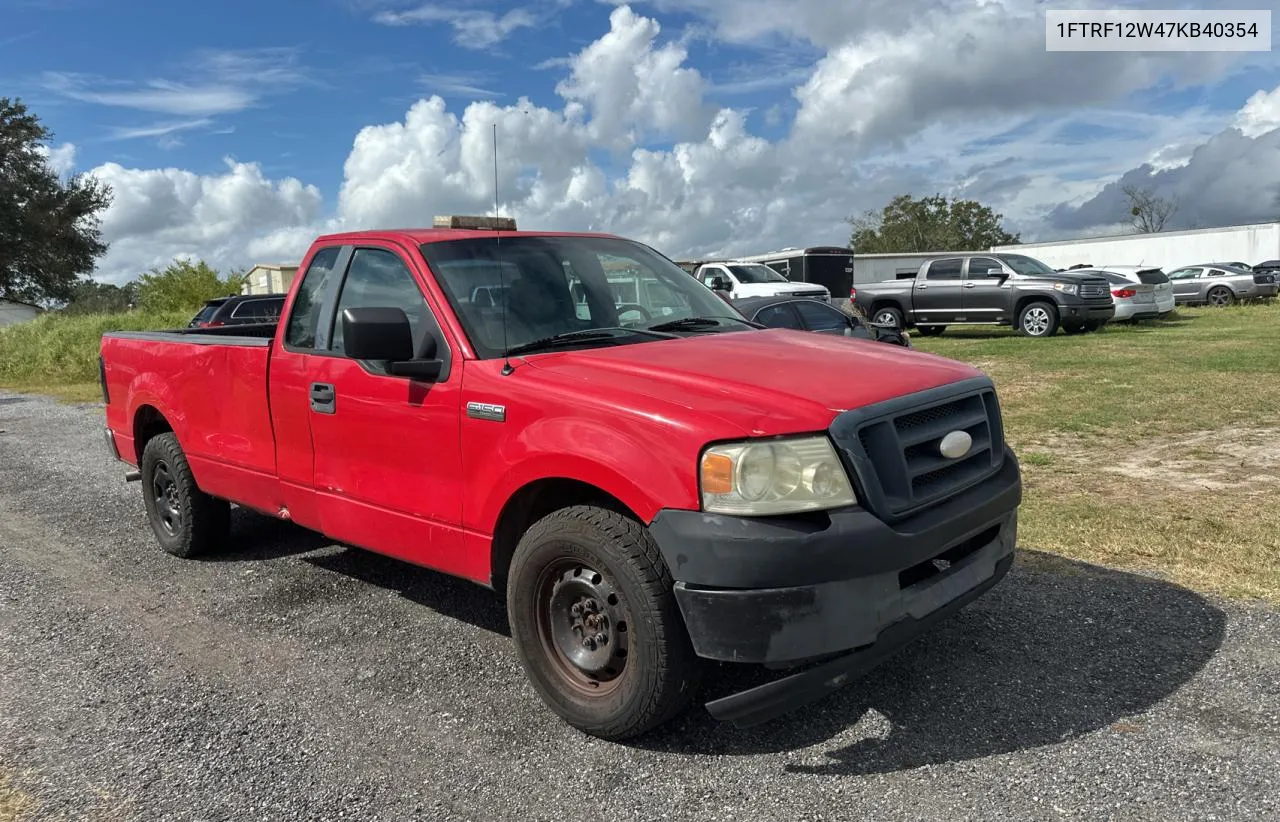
[[808, 314], [246, 309], [990, 289]]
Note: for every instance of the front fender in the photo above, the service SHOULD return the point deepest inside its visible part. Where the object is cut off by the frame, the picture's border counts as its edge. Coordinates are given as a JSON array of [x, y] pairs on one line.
[[644, 471]]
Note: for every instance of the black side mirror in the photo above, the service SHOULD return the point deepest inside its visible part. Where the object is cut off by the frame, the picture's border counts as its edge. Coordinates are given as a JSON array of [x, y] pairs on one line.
[[384, 334], [719, 283]]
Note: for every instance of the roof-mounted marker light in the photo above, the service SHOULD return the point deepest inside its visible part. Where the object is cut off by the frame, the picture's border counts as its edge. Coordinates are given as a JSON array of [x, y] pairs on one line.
[[464, 221]]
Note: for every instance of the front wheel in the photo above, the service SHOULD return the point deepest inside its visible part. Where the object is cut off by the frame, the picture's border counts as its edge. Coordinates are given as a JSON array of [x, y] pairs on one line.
[[1038, 319], [596, 626]]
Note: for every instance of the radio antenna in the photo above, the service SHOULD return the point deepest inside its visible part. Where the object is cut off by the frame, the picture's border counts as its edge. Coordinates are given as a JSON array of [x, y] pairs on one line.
[[502, 283]]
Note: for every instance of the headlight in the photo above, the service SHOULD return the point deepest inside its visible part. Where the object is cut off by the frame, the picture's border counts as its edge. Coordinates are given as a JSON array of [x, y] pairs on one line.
[[773, 477], [1065, 288]]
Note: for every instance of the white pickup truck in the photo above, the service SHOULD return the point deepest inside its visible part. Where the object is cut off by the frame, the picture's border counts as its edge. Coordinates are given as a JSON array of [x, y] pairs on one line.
[[740, 279]]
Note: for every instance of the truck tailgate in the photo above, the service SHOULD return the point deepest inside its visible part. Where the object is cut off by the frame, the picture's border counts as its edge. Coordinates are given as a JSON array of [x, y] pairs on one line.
[[211, 389]]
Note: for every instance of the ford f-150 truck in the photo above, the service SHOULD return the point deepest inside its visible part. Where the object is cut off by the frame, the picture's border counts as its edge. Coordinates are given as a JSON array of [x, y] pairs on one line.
[[648, 491], [990, 289]]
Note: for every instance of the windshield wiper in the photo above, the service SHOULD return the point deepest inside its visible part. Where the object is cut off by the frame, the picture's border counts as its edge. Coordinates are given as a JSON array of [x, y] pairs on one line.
[[585, 335], [688, 323]]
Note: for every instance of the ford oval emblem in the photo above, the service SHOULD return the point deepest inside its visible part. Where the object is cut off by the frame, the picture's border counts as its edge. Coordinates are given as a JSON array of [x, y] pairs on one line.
[[955, 445]]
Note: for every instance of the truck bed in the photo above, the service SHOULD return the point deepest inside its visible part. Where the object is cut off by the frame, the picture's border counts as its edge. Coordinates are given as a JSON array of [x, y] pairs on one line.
[[209, 383]]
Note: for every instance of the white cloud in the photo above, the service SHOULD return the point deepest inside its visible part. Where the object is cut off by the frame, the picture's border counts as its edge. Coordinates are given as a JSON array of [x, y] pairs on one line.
[[62, 159], [633, 88], [634, 147], [457, 84], [1260, 114], [157, 129], [216, 82], [472, 28], [159, 214], [156, 95]]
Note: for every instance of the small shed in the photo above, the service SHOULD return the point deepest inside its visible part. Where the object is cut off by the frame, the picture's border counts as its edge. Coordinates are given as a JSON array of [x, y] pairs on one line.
[[269, 278], [13, 312]]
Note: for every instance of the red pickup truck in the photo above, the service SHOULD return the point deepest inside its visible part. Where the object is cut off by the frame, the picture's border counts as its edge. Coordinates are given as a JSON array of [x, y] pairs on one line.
[[650, 480]]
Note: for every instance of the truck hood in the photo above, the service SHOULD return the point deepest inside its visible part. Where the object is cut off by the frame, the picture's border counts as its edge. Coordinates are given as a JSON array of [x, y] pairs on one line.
[[764, 382], [1062, 276]]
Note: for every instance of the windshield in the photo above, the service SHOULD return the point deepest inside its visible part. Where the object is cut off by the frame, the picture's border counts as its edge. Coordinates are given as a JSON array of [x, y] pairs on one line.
[[754, 274], [1027, 265], [558, 285]]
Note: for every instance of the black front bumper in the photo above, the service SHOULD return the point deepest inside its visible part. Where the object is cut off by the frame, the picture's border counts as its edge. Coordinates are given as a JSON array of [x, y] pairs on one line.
[[1078, 312], [785, 591]]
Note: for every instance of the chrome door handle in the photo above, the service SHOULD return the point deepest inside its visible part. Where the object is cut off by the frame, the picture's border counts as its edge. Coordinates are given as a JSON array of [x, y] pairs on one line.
[[970, 285]]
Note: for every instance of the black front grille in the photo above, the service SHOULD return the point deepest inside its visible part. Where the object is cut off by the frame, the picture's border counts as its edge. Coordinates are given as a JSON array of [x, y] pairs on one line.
[[895, 450], [1094, 291]]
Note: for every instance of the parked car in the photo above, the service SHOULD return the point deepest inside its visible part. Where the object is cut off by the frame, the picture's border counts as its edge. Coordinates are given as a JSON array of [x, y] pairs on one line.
[[1215, 284], [239, 310], [1154, 277], [743, 279], [990, 289], [1268, 267], [805, 314], [642, 497]]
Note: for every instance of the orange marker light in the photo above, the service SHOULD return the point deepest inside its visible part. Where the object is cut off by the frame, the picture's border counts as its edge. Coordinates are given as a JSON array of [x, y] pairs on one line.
[[717, 474]]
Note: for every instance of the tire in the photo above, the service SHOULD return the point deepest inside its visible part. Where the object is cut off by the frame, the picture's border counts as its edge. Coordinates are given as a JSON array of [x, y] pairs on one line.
[[1038, 319], [607, 568], [187, 522], [1219, 297], [931, 330], [887, 314]]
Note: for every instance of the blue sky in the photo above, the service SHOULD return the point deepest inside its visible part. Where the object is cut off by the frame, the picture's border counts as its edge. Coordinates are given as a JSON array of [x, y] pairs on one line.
[[333, 66], [237, 130]]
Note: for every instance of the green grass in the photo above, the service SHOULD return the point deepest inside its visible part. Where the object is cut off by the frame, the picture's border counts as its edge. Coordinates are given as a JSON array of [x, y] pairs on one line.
[[1153, 447], [58, 355]]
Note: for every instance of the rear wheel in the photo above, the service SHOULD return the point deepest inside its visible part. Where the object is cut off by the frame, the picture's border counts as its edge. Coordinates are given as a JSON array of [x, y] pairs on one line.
[[187, 522], [1038, 319], [1220, 296], [886, 315], [596, 626]]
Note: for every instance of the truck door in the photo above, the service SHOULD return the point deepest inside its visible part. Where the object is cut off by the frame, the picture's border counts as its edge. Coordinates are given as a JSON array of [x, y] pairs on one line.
[[388, 458], [986, 296], [287, 383], [936, 298]]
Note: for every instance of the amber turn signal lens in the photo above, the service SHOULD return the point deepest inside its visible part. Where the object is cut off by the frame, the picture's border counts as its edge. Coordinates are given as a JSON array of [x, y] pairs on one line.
[[717, 474]]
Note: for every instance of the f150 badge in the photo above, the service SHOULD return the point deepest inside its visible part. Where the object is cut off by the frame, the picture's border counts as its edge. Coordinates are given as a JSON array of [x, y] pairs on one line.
[[955, 445], [487, 411]]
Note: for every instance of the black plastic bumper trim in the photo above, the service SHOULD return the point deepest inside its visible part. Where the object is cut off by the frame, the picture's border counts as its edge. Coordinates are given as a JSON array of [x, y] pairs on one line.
[[767, 702]]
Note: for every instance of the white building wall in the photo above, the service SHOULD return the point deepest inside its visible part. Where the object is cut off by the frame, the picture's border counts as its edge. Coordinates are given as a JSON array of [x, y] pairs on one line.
[[14, 313], [1168, 250]]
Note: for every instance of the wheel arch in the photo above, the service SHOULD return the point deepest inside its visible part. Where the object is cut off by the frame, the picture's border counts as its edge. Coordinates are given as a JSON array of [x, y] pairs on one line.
[[148, 423], [533, 501]]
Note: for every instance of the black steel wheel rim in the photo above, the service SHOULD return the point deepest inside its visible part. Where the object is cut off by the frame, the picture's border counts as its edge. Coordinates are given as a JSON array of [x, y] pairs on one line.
[[583, 626], [164, 493]]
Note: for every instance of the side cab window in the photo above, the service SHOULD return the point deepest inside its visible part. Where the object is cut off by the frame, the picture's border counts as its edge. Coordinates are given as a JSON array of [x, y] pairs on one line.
[[304, 317], [948, 269], [379, 278]]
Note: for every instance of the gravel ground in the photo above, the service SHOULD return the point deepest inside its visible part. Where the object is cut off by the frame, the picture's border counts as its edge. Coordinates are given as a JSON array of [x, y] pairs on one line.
[[297, 679]]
